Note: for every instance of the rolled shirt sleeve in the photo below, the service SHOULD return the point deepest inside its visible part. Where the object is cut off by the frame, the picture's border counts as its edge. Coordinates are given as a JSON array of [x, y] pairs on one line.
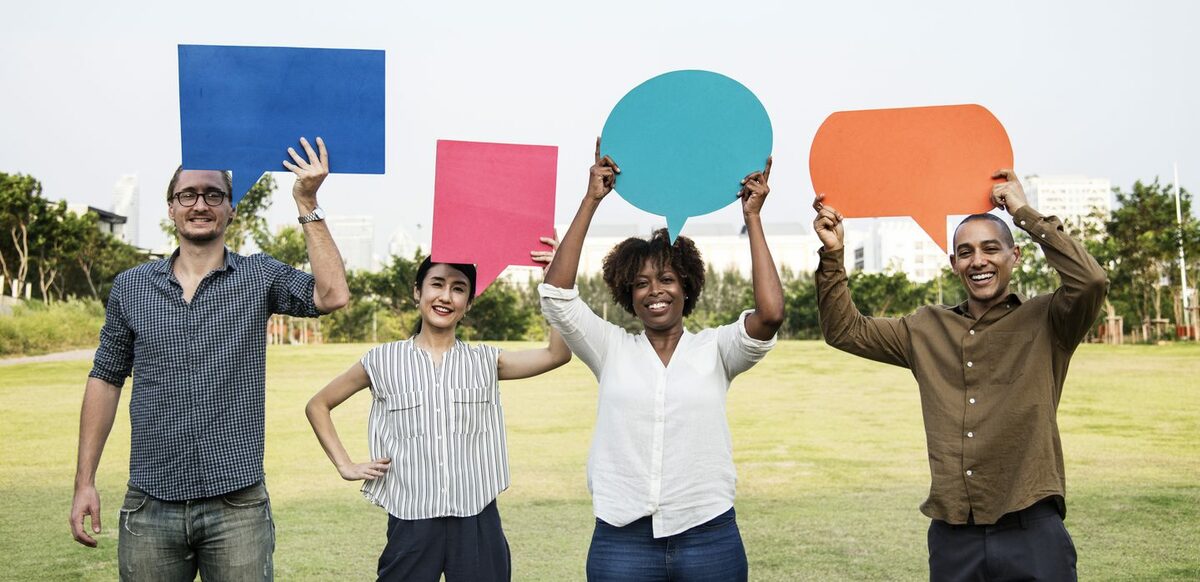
[[740, 351], [113, 362]]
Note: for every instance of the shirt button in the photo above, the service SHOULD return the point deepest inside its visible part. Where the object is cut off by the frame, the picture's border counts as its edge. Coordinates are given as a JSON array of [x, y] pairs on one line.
[[970, 435], [969, 473], [972, 401], [972, 332], [1022, 223], [970, 364], [1043, 235]]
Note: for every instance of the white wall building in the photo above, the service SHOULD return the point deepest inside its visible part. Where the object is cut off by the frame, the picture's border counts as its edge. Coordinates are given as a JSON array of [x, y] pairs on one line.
[[355, 238], [1071, 198], [125, 203], [898, 245]]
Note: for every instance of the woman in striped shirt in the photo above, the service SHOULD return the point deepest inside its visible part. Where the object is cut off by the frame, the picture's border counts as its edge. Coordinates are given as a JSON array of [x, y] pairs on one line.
[[436, 434]]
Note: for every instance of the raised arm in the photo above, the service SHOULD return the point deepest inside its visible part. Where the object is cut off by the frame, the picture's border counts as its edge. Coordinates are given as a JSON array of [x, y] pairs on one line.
[[331, 291], [768, 291], [882, 339], [525, 363], [601, 179], [317, 411], [1078, 301]]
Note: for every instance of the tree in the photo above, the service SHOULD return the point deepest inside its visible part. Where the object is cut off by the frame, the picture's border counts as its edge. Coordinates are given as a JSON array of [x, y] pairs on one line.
[[1032, 276], [288, 246], [498, 314], [58, 236], [99, 258], [1141, 248], [21, 204]]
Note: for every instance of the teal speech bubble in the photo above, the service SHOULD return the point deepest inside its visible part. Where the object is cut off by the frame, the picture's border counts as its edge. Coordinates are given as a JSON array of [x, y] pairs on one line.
[[684, 140]]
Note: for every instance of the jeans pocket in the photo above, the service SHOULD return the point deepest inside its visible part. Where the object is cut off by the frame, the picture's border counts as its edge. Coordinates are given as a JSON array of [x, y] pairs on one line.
[[252, 496], [134, 502]]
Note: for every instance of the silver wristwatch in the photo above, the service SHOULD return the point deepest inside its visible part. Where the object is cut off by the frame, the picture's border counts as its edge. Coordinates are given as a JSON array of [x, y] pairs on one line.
[[315, 215]]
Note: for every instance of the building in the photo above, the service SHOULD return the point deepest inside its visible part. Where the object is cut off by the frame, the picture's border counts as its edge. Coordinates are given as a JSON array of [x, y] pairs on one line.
[[125, 203], [355, 238], [895, 245], [109, 222], [1073, 199]]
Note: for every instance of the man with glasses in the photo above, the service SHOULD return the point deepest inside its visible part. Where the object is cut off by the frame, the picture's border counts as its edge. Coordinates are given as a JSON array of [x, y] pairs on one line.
[[192, 330]]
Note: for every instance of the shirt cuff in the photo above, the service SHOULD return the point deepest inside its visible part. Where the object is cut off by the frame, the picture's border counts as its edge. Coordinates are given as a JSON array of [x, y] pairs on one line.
[[548, 291], [751, 342]]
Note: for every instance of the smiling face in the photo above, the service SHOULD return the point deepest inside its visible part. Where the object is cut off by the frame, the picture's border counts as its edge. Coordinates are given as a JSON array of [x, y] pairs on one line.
[[984, 259], [201, 223], [443, 298], [658, 297]]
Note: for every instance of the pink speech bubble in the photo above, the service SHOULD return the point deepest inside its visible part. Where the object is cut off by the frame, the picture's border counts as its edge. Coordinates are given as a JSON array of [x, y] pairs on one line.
[[491, 203], [923, 162]]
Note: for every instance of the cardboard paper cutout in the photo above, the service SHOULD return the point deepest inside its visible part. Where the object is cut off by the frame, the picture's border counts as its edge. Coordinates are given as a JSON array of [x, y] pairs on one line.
[[923, 162], [492, 202]]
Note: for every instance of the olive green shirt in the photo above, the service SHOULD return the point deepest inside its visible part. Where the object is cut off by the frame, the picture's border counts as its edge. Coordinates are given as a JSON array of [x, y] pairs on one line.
[[989, 387]]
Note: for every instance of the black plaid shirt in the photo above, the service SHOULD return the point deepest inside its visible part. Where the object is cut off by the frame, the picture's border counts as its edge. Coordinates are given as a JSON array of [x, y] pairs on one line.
[[199, 369]]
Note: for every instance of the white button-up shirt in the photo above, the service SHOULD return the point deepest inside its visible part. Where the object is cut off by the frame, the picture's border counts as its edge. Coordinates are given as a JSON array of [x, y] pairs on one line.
[[661, 445]]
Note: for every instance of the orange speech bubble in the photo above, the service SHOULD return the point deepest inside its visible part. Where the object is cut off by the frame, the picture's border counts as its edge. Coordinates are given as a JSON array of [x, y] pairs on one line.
[[923, 162]]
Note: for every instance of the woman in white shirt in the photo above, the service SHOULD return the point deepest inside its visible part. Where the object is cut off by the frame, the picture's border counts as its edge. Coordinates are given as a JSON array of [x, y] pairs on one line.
[[660, 467], [436, 434]]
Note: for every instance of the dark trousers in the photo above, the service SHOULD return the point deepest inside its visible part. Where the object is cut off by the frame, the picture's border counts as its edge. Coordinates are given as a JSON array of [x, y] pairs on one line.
[[470, 549], [1031, 544], [711, 551]]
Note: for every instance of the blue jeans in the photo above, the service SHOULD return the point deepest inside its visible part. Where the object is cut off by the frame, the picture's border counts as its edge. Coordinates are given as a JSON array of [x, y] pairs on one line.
[[228, 537], [710, 551]]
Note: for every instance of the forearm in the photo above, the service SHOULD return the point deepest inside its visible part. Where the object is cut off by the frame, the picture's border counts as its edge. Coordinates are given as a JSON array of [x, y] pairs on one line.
[[318, 413], [563, 270], [330, 292], [768, 290], [96, 417], [881, 339]]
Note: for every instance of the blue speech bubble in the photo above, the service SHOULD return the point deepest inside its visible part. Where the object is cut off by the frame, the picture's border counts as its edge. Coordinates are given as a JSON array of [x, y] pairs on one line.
[[240, 108], [684, 140]]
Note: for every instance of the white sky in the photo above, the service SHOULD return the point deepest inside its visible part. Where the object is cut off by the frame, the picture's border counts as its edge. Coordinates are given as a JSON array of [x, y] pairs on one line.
[[89, 91]]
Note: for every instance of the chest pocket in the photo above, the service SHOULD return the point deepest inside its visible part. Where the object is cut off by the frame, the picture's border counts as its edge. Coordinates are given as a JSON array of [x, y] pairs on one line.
[[474, 410], [405, 415], [1007, 355]]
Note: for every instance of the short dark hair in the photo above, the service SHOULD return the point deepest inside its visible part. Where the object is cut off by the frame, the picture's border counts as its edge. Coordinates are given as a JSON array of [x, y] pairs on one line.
[[179, 170], [1005, 232], [624, 261]]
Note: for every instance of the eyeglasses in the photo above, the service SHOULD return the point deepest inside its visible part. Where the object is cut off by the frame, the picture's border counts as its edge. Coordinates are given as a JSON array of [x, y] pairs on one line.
[[211, 197]]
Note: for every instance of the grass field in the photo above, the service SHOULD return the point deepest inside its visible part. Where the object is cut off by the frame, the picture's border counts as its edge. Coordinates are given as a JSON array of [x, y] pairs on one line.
[[830, 455]]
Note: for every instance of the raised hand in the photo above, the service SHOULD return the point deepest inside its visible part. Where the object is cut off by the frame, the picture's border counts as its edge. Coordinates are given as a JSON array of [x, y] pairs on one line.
[[545, 257], [309, 173], [1008, 194], [602, 176], [755, 190], [828, 224]]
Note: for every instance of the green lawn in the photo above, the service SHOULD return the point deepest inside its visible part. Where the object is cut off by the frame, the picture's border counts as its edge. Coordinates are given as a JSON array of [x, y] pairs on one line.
[[830, 455]]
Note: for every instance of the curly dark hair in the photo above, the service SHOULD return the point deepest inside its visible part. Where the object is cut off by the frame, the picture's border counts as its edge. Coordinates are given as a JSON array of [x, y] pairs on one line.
[[624, 261]]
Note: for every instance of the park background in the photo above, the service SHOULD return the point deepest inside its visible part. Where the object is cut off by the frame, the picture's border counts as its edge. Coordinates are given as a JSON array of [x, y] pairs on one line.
[[830, 449]]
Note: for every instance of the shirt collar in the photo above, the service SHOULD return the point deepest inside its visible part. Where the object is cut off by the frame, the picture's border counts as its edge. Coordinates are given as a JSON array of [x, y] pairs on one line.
[[1012, 300], [232, 261]]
